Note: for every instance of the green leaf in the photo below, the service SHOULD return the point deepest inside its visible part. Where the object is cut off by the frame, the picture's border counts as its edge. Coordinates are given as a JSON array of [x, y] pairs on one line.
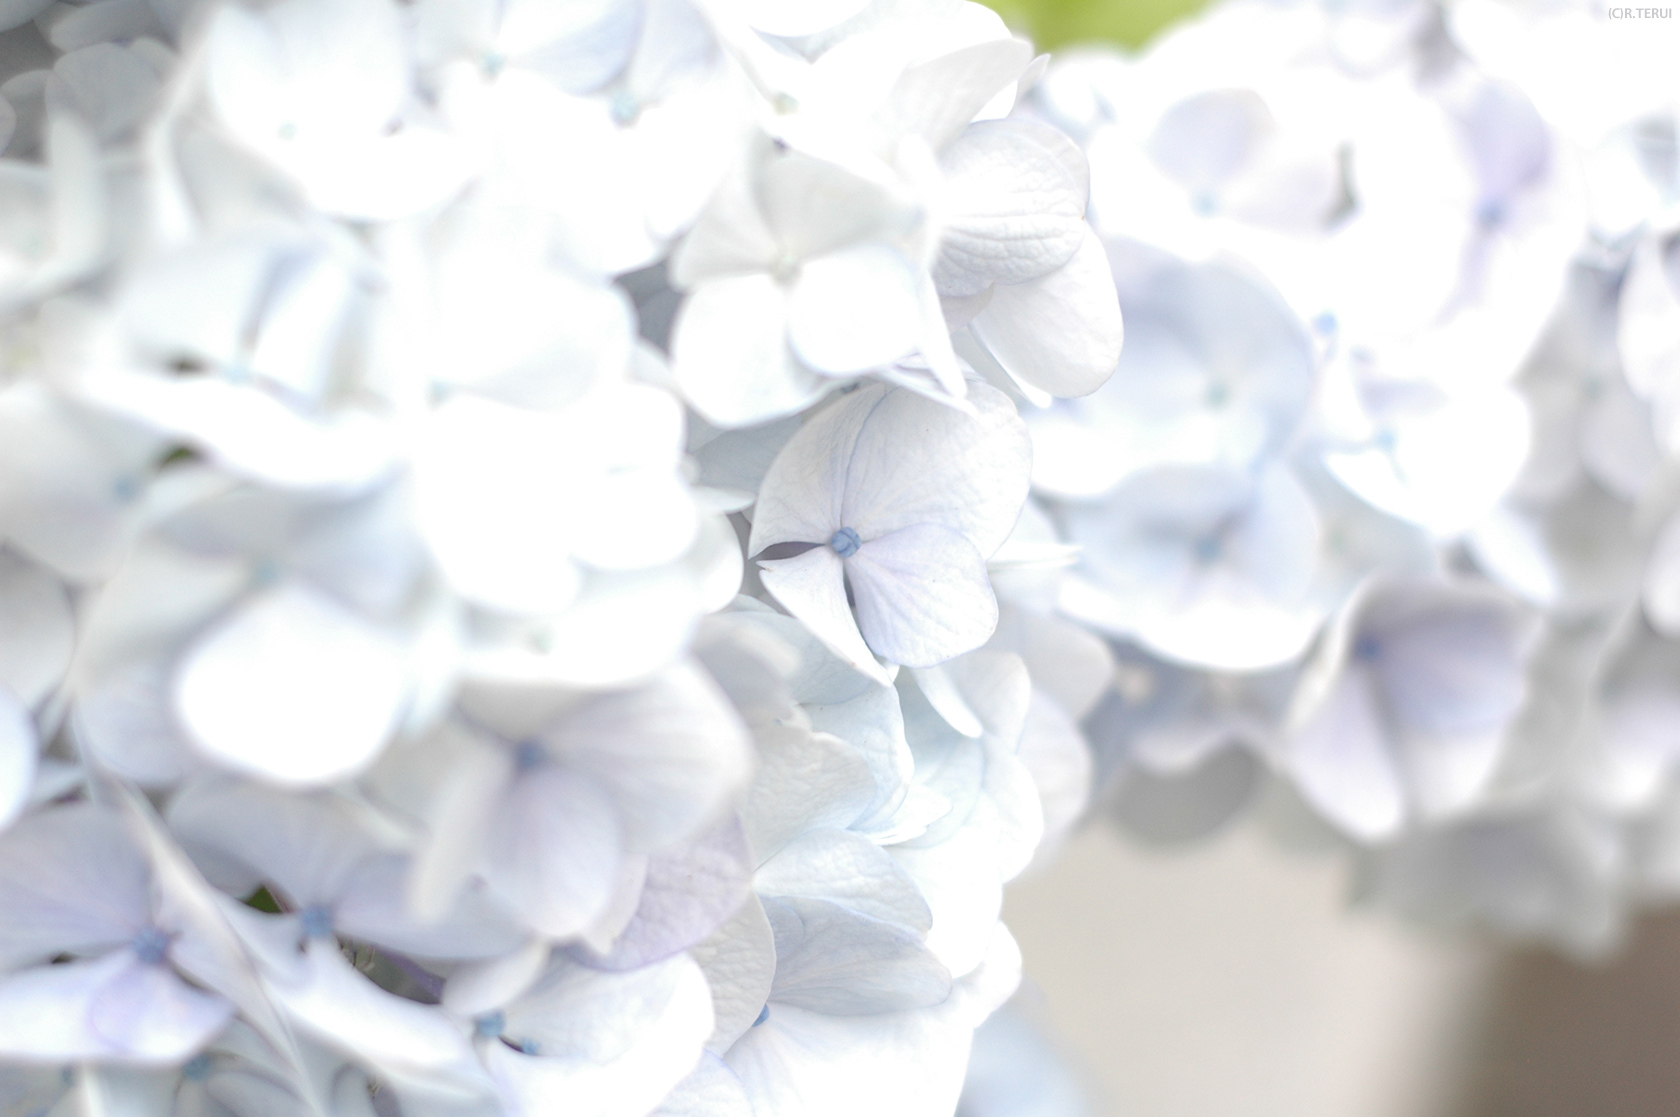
[[1058, 23]]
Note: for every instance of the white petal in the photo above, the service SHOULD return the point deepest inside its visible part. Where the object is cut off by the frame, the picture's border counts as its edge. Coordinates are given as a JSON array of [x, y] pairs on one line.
[[940, 97], [847, 869], [70, 880], [341, 1007], [1060, 332], [113, 1008], [961, 886], [712, 1090], [151, 1015], [619, 1042], [1342, 761], [854, 309], [250, 432], [670, 753], [495, 489], [804, 780], [18, 757], [916, 461], [922, 595], [307, 846], [730, 354], [292, 688], [386, 178], [812, 587], [686, 895], [902, 1064], [832, 960], [793, 18], [375, 908], [475, 988], [1018, 210], [1449, 666], [553, 849], [801, 496], [739, 962], [37, 630], [124, 719]]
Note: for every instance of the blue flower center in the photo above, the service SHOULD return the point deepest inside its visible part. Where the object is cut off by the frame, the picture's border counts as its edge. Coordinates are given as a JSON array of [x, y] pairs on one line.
[[625, 108], [198, 1068], [528, 755], [317, 921], [845, 542], [491, 1025], [150, 945]]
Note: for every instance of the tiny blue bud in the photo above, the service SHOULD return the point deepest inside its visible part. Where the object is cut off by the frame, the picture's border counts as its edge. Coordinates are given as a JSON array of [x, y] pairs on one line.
[[317, 921], [528, 755], [625, 108], [845, 542], [198, 1068], [150, 945], [490, 1025]]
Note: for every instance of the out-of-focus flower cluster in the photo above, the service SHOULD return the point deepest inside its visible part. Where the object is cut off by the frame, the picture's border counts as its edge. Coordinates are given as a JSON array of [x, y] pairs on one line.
[[556, 554], [1381, 509], [390, 397]]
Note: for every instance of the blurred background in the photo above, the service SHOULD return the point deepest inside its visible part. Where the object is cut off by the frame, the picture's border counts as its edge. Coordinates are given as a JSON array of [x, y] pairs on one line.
[[1231, 979]]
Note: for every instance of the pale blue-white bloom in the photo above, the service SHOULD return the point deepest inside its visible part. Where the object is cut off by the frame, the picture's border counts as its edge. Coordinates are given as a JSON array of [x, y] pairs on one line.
[[1203, 565], [251, 376], [593, 1042], [1216, 370], [798, 271], [1018, 266], [323, 92], [894, 514], [1179, 752], [288, 596], [907, 1062], [995, 817], [71, 479], [638, 91], [76, 882], [554, 800], [1403, 711], [1437, 457]]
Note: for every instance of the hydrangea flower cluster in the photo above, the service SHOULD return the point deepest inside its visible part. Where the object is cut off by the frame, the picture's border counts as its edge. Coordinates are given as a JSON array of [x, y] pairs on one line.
[[393, 394], [556, 555], [1378, 511]]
